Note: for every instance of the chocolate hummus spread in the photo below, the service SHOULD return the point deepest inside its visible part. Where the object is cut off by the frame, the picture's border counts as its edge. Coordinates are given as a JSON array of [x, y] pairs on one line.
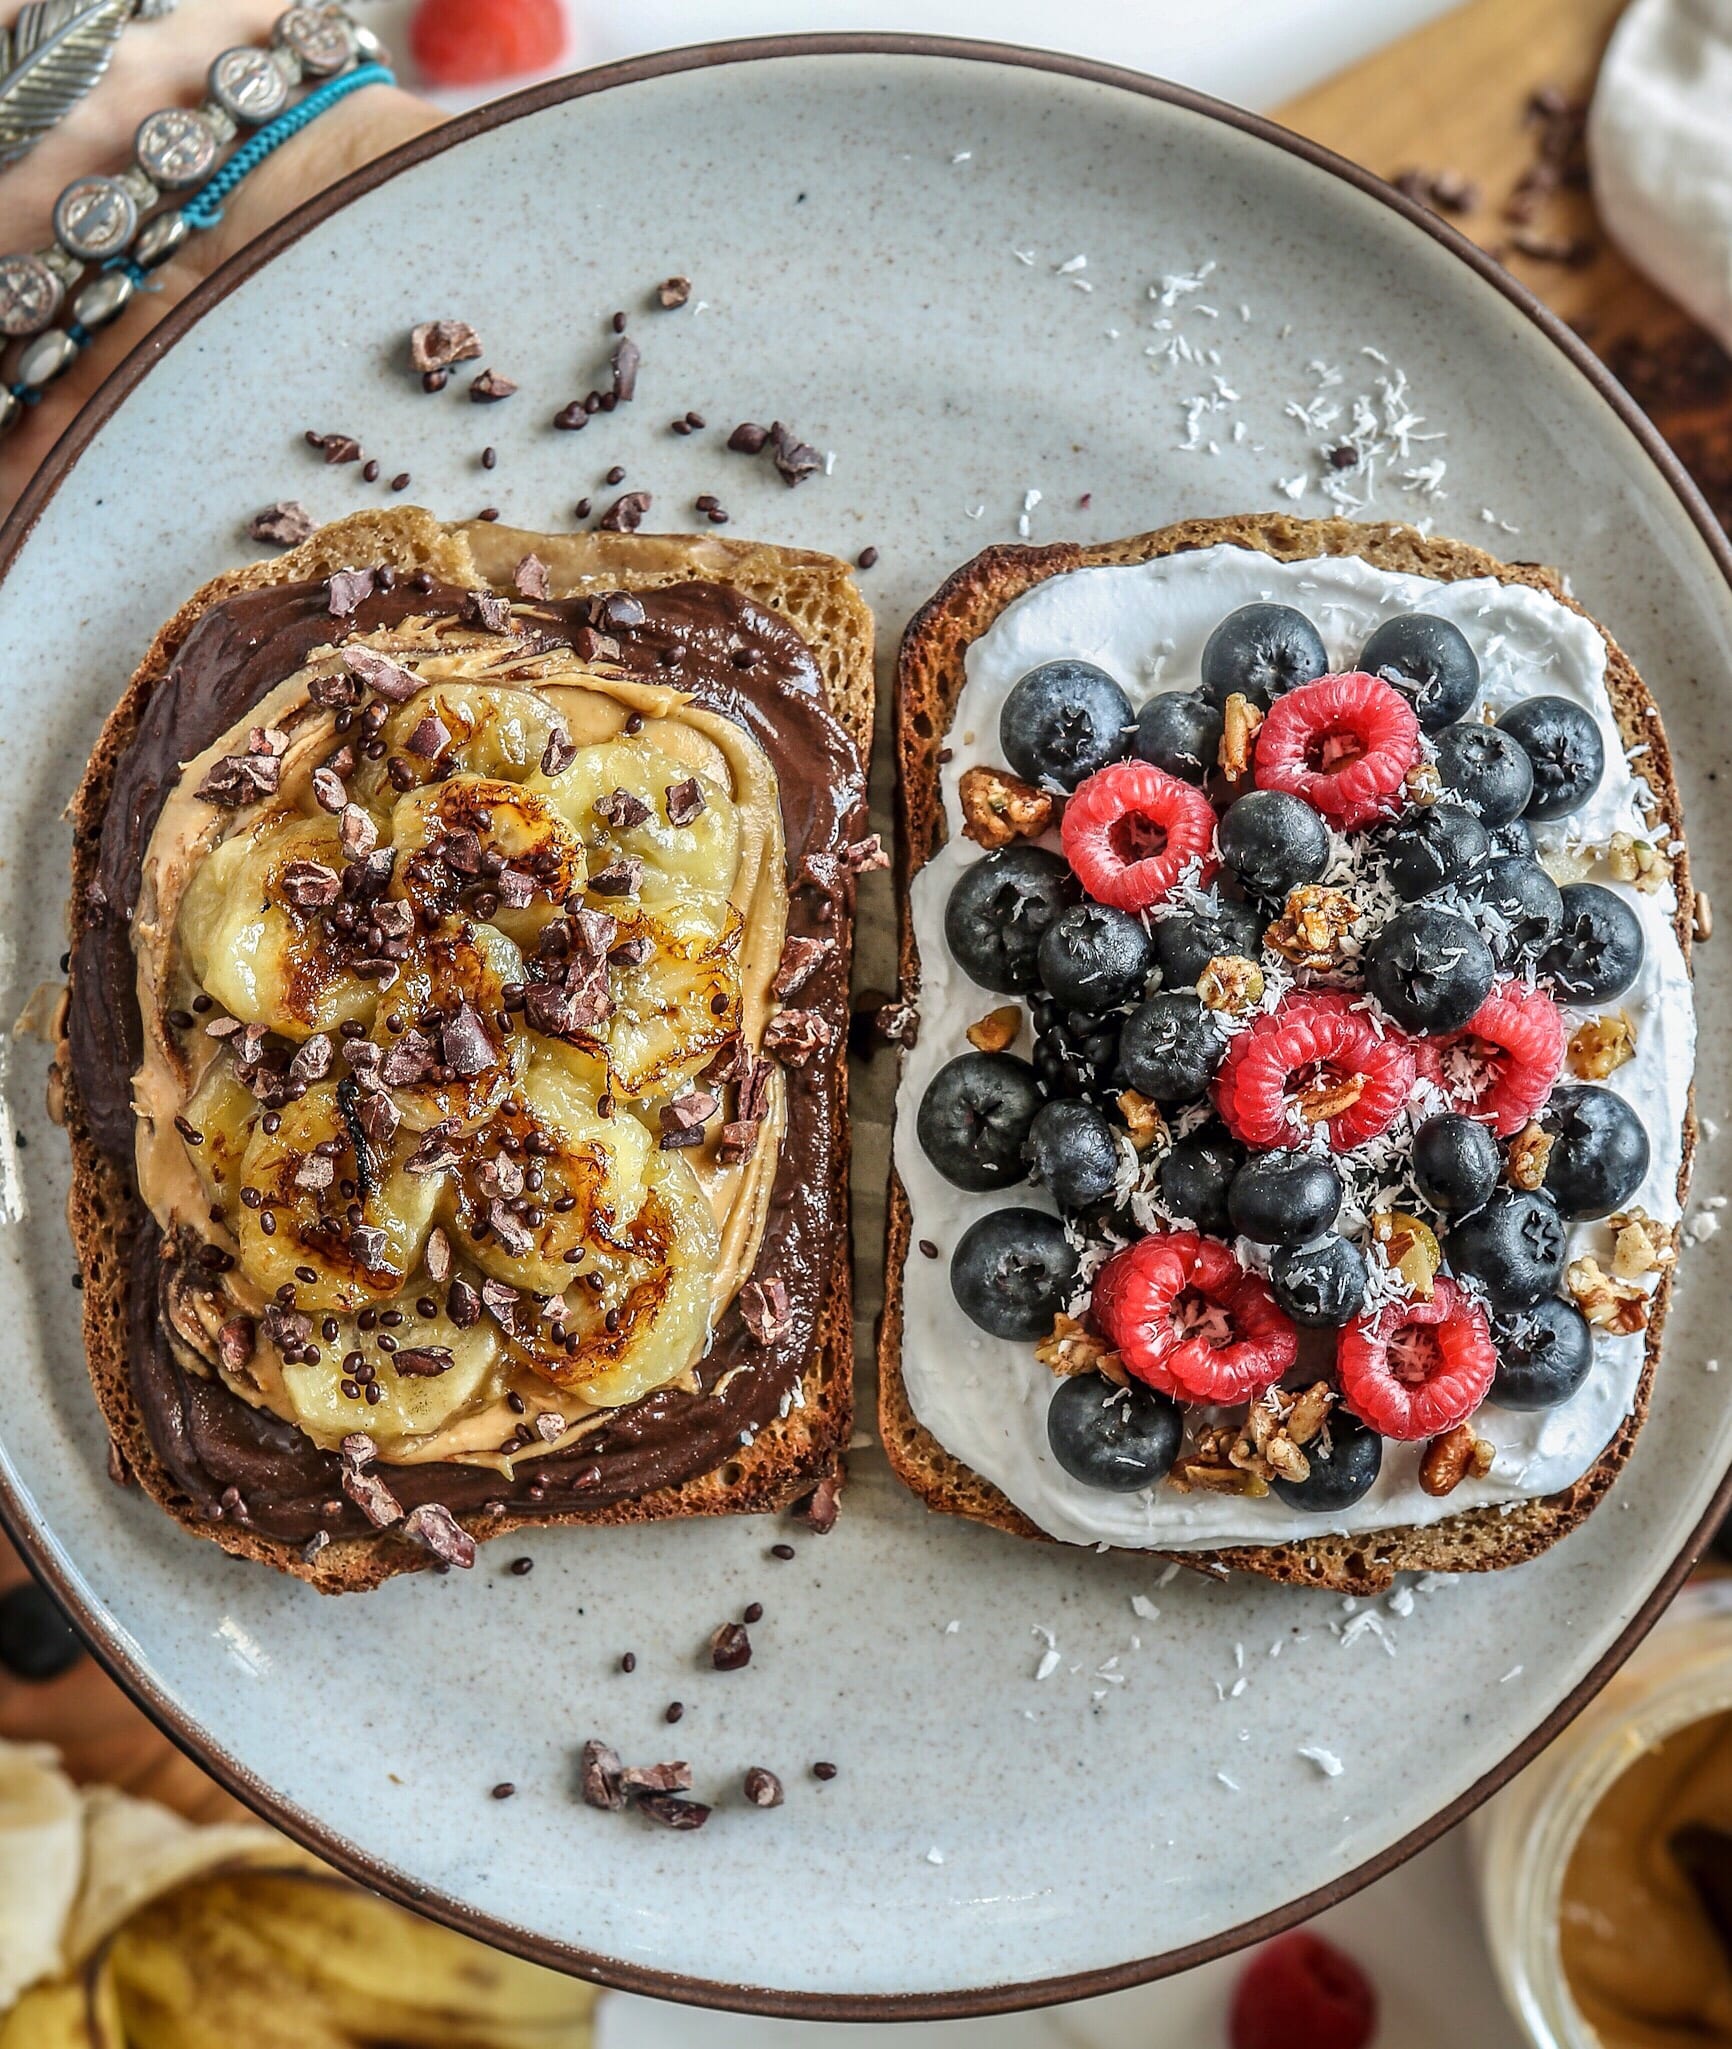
[[731, 658]]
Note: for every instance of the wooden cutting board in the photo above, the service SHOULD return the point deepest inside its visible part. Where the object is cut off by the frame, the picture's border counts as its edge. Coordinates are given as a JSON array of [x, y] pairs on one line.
[[1449, 98]]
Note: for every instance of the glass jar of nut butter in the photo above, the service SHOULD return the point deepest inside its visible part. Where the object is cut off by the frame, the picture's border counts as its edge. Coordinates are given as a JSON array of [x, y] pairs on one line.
[[1605, 1869]]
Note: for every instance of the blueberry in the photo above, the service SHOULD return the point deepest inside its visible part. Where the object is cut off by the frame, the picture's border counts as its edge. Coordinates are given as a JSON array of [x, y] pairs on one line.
[[1345, 1461], [975, 1117], [1563, 743], [1599, 1155], [1429, 969], [1117, 1438], [1078, 1055], [1273, 842], [1514, 836], [1433, 846], [998, 910], [1543, 1354], [1062, 721], [1513, 1247], [1180, 731], [1012, 1271], [1170, 1047], [1320, 1285], [1429, 662], [1259, 651], [1194, 1175], [1284, 1198], [1483, 767], [1072, 1150], [1186, 942], [1455, 1163], [36, 1640], [1516, 906], [1599, 948], [1094, 958]]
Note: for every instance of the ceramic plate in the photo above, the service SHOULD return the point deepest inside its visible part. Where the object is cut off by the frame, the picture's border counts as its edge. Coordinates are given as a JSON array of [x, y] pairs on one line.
[[1001, 293]]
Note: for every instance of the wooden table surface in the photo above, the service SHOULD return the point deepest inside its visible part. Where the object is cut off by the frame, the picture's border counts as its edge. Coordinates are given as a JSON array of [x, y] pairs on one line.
[[1453, 98]]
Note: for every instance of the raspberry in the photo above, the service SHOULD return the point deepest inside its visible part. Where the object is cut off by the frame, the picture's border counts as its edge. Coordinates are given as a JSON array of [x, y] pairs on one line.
[[1283, 1072], [1187, 1318], [1502, 1064], [1132, 830], [1344, 744], [1415, 1368], [1300, 1992], [474, 42]]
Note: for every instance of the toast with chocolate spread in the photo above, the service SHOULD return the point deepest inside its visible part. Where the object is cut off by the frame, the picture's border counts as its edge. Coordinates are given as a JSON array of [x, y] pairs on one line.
[[454, 1049], [1166, 1337]]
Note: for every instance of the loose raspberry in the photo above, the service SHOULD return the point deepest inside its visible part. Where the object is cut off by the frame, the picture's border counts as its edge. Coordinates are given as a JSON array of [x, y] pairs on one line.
[[1504, 1062], [474, 42], [1132, 830], [1344, 744], [1415, 1368], [1317, 1059], [1187, 1318], [1300, 1992]]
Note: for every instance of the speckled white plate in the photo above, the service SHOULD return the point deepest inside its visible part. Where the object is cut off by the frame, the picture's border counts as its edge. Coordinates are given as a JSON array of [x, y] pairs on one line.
[[935, 261]]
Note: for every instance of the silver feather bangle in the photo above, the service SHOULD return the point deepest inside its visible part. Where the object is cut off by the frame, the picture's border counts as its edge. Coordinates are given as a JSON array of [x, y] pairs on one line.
[[51, 57]]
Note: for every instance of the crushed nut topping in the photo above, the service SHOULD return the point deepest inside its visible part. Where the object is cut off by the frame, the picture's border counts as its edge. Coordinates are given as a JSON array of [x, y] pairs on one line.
[[1629, 859], [998, 808], [1312, 930], [1422, 783], [1070, 1348], [1529, 1152], [1231, 983], [1239, 723], [1602, 1045], [1640, 1244], [1320, 1100], [1409, 1246], [1143, 1120], [1208, 1467], [998, 1029], [1276, 1426], [1607, 1302], [1449, 1459]]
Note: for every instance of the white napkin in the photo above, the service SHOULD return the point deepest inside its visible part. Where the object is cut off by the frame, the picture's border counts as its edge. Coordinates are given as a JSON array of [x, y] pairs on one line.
[[1660, 148]]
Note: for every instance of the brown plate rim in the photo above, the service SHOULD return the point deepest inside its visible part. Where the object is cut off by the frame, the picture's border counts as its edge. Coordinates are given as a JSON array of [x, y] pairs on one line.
[[296, 1822]]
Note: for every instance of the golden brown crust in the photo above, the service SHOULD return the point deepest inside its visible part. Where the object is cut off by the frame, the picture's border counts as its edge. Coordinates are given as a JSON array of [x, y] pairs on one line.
[[790, 1457], [929, 679]]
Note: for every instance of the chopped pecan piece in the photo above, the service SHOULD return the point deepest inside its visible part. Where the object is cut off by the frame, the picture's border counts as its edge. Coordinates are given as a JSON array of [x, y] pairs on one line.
[[1629, 859], [1449, 1459], [1209, 1468], [1529, 1152], [1143, 1119], [1602, 1045], [1318, 1101], [1607, 1302], [1312, 930], [998, 1029], [1239, 723], [998, 808], [1070, 1348], [1231, 983]]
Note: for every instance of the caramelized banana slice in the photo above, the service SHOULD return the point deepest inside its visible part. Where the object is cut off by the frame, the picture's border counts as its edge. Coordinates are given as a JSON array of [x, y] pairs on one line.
[[704, 853], [312, 1204], [539, 1188], [479, 842], [485, 729], [446, 1052], [257, 934], [220, 1115], [638, 1314], [675, 1007], [446, 1372]]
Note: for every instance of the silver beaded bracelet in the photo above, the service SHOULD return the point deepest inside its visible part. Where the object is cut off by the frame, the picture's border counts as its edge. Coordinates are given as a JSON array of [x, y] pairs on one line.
[[52, 56], [100, 220]]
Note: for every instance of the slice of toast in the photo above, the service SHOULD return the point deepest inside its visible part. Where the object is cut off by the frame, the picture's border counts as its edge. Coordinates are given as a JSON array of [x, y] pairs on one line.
[[929, 680], [790, 1458]]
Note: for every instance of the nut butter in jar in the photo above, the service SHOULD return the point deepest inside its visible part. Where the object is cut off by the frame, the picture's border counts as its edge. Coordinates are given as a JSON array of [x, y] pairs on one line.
[[1602, 1868]]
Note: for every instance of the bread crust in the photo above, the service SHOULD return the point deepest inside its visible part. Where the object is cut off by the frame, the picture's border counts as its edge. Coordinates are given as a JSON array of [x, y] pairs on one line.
[[929, 680], [789, 1458]]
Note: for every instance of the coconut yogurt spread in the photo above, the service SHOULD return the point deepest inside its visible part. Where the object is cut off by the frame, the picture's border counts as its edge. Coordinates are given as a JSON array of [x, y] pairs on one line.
[[984, 1398]]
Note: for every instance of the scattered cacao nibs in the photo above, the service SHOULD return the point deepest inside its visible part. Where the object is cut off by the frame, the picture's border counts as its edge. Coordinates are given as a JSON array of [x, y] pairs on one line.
[[820, 1510], [489, 388], [504, 1790], [782, 1551], [748, 438], [675, 1709], [488, 513], [730, 1647], [866, 559], [570, 418], [335, 448], [927, 1249], [672, 1812], [283, 525], [753, 1612], [628, 1663], [674, 291], [685, 801], [370, 471], [1443, 191], [673, 1777], [599, 1773], [627, 357], [762, 1788], [616, 475], [436, 344], [626, 514], [824, 1770], [520, 1568], [400, 482]]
